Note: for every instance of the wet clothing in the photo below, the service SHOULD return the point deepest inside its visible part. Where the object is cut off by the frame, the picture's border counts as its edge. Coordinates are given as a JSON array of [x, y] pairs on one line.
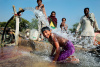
[[68, 50], [53, 19]]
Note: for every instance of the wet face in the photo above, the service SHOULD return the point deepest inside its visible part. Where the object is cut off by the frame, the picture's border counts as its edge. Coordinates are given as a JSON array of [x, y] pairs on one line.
[[39, 2], [64, 20], [86, 12], [46, 33], [53, 14]]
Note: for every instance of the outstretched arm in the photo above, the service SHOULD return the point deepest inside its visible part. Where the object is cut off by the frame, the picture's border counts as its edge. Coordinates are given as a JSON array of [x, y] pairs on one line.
[[53, 50], [56, 45], [79, 25], [57, 51], [96, 25], [44, 12]]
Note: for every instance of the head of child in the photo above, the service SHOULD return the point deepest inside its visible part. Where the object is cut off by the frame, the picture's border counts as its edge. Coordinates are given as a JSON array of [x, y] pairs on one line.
[[46, 32], [39, 2], [64, 20], [53, 13]]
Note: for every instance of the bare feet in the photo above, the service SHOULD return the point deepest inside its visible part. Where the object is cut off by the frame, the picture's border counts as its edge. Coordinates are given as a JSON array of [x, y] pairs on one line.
[[72, 59]]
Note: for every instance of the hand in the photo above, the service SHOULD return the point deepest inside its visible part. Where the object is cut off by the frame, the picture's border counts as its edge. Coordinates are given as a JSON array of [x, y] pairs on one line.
[[42, 5], [53, 61]]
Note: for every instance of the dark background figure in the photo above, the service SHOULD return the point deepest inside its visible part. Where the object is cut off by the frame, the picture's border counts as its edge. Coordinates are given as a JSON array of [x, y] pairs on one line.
[[53, 20]]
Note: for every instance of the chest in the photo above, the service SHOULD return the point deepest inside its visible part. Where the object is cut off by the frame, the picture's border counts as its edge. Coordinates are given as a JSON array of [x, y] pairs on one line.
[[86, 21]]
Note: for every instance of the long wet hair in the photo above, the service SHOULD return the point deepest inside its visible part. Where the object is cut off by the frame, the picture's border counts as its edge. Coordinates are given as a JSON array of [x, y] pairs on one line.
[[45, 28]]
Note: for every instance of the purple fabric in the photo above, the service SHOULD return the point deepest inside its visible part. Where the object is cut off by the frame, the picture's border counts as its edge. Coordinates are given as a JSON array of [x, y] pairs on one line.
[[68, 50]]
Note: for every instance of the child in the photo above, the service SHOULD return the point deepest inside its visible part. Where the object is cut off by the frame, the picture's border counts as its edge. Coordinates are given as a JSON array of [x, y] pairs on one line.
[[53, 20], [63, 26], [57, 42], [41, 7], [41, 23]]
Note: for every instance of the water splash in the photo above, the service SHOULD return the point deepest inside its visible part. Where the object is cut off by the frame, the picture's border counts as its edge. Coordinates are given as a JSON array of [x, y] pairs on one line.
[[85, 58], [39, 15], [70, 36]]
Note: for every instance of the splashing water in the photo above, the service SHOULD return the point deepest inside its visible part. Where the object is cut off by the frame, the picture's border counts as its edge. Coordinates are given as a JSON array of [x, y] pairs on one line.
[[70, 36], [85, 58], [40, 16]]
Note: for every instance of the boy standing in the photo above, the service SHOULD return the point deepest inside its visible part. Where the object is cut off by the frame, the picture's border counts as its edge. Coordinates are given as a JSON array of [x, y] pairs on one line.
[[41, 24]]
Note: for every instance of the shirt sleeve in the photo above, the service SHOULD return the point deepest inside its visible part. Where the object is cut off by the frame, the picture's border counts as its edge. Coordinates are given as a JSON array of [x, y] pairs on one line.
[[96, 25], [79, 25]]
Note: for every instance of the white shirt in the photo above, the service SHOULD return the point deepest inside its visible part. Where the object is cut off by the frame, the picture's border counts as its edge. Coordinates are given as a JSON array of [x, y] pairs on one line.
[[87, 28]]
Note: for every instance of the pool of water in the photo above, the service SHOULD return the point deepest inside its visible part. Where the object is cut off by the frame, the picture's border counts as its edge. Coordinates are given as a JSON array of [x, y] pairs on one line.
[[21, 56]]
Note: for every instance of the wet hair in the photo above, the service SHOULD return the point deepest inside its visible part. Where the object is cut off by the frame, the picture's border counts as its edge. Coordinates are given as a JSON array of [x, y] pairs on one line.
[[86, 8], [45, 28], [53, 12], [39, 0], [63, 18]]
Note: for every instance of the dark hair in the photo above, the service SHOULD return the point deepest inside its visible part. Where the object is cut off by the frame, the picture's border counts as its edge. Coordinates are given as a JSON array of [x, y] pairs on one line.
[[53, 12], [86, 8], [63, 18], [39, 0], [45, 28]]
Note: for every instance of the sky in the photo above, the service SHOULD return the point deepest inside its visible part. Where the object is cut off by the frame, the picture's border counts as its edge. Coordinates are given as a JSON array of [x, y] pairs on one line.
[[72, 10]]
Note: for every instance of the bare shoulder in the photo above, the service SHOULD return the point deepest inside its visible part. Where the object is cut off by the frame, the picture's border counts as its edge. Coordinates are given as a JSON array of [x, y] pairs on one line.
[[36, 7], [54, 37]]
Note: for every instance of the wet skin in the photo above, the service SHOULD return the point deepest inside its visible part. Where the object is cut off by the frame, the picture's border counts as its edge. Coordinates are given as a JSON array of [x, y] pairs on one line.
[[56, 41]]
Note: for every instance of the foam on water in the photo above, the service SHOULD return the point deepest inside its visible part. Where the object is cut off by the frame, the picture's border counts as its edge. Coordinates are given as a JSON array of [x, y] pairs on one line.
[[86, 59]]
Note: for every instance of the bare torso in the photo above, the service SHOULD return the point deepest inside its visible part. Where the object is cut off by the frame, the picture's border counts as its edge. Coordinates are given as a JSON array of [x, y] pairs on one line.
[[56, 38]]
